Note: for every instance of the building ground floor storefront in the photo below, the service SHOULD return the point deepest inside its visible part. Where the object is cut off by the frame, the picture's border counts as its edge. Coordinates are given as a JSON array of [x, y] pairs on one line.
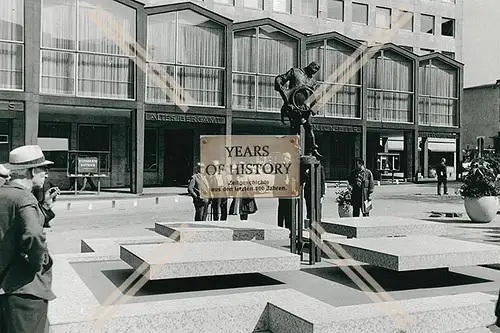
[[170, 142]]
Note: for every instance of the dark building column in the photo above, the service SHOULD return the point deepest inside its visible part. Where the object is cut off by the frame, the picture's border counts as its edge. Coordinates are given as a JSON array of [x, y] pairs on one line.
[[425, 156], [411, 152], [459, 156], [32, 12]]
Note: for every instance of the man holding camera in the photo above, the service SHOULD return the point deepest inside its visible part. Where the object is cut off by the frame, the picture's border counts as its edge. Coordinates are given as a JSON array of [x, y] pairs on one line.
[[25, 263]]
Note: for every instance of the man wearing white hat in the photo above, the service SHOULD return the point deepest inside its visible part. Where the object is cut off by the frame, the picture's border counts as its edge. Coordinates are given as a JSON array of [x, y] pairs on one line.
[[25, 264]]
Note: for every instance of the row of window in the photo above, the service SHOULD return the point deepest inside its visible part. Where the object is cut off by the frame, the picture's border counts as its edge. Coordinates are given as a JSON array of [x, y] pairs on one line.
[[360, 14], [186, 63]]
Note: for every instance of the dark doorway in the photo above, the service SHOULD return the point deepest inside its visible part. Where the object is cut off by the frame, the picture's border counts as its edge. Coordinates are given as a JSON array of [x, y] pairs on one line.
[[179, 146]]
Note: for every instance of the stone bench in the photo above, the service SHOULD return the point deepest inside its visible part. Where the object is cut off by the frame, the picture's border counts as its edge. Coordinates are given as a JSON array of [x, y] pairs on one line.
[[182, 260], [192, 232], [419, 252], [382, 226]]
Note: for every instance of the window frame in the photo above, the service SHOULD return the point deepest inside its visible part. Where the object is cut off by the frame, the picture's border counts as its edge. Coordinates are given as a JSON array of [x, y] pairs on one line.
[[289, 7], [176, 65], [256, 74], [433, 24], [110, 140], [21, 43], [316, 15], [77, 53], [386, 9], [68, 125], [342, 14], [453, 22], [360, 4]]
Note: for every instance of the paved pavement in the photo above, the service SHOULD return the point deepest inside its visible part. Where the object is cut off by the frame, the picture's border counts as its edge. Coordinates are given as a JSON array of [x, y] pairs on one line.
[[128, 215]]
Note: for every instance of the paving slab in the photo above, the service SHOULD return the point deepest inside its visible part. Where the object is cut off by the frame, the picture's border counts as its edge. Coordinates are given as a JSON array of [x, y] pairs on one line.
[[382, 226], [221, 231], [181, 260], [419, 252]]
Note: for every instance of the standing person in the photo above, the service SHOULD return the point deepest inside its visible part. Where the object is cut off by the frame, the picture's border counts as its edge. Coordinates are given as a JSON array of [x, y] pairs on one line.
[[284, 204], [197, 185], [361, 182], [25, 263], [442, 176], [219, 204], [242, 206]]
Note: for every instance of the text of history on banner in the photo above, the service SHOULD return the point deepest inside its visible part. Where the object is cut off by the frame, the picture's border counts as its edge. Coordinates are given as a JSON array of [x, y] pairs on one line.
[[250, 165]]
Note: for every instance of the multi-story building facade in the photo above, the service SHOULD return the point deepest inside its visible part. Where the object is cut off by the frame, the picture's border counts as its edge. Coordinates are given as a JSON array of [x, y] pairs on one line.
[[481, 118], [144, 81]]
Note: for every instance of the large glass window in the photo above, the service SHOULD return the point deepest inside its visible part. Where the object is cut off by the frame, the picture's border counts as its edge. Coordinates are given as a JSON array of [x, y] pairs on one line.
[[427, 24], [258, 56], [438, 103], [340, 85], [390, 88], [11, 44], [150, 149], [56, 132], [309, 7], [360, 13], [335, 9], [186, 60], [383, 18], [88, 48]]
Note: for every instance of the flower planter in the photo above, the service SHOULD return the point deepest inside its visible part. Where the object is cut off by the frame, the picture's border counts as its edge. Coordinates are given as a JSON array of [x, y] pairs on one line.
[[481, 210], [345, 210]]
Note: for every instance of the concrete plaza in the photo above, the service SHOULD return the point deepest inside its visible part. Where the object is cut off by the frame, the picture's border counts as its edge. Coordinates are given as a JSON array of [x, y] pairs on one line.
[[121, 215]]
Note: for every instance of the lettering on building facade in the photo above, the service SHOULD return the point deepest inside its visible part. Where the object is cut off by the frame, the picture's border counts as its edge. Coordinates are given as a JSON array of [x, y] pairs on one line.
[[11, 106], [439, 135], [336, 128], [167, 117]]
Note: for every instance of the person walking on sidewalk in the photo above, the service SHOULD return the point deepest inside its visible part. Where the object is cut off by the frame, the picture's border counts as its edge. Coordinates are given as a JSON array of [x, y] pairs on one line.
[[361, 182], [442, 177], [25, 263]]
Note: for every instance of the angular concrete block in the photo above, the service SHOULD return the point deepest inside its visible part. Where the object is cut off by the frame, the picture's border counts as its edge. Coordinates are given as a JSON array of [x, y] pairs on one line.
[[182, 260], [419, 252], [248, 230], [441, 314], [193, 233], [382, 226]]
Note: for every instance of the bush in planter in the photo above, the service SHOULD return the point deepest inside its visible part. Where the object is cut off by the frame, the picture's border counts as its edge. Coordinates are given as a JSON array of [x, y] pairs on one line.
[[480, 189], [344, 200]]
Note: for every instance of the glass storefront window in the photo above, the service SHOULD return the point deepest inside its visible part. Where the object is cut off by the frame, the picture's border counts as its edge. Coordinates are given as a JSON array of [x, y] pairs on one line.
[[96, 61], [186, 60], [259, 54], [11, 44], [150, 149], [96, 138], [56, 131]]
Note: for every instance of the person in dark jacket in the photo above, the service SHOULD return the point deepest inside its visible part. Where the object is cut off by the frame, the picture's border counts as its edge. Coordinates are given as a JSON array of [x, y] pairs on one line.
[[285, 204], [307, 190], [441, 173], [362, 184], [198, 184], [242, 206], [25, 263]]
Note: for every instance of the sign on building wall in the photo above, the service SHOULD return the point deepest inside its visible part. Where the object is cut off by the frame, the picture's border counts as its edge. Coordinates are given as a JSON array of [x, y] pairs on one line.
[[250, 166], [88, 165]]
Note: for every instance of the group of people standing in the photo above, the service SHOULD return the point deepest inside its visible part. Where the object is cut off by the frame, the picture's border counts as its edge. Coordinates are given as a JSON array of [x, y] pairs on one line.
[[25, 263], [204, 202]]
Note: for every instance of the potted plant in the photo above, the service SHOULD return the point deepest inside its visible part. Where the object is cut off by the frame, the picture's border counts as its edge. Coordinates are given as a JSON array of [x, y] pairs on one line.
[[480, 190], [344, 202]]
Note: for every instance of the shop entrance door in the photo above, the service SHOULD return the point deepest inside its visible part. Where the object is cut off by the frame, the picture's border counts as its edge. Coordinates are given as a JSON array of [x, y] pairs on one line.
[[179, 146]]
